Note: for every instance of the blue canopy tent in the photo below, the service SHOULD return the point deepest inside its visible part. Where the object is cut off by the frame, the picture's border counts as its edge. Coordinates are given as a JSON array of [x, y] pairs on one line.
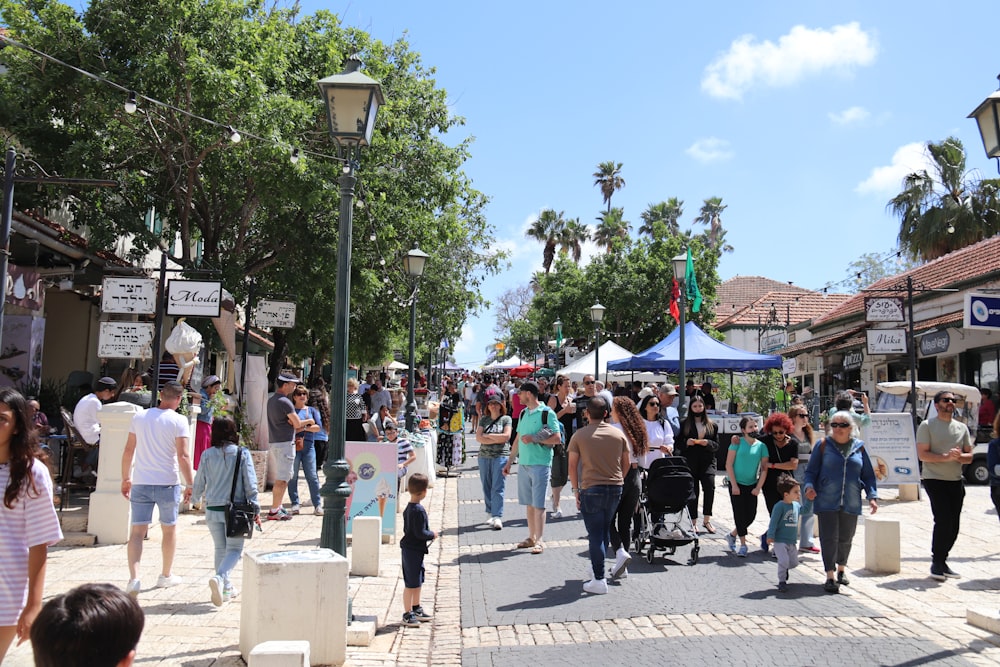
[[701, 353]]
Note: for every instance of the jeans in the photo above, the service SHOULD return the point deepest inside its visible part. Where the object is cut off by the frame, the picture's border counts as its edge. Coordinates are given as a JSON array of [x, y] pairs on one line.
[[946, 499], [836, 533], [228, 550], [494, 483], [597, 506], [306, 459], [806, 524]]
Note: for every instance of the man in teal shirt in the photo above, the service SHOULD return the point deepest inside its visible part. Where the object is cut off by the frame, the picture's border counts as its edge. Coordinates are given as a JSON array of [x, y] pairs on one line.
[[538, 431]]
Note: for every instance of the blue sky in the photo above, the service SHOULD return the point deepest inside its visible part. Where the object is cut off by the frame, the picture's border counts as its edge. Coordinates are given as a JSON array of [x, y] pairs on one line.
[[802, 116]]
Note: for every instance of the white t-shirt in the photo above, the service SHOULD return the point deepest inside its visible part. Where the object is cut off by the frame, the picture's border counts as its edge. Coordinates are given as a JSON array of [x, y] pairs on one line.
[[658, 434], [85, 418], [156, 432]]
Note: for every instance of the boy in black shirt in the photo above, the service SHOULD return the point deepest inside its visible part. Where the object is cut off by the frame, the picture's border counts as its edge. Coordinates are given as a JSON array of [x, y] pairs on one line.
[[416, 535]]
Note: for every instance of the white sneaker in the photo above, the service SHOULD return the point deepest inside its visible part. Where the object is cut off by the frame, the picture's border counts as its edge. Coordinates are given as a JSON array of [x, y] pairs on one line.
[[596, 586], [167, 582], [295, 508], [622, 559], [497, 523], [215, 585], [133, 588], [557, 514], [318, 510]]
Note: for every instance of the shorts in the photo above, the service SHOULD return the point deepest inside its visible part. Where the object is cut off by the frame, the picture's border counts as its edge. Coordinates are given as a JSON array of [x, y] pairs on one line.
[[532, 482], [413, 568], [283, 456], [167, 499]]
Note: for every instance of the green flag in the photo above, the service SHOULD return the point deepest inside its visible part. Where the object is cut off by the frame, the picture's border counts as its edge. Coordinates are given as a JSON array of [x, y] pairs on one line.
[[693, 293]]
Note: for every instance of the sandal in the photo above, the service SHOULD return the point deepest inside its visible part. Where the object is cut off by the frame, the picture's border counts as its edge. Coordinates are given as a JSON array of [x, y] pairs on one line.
[[709, 527], [538, 548], [527, 544]]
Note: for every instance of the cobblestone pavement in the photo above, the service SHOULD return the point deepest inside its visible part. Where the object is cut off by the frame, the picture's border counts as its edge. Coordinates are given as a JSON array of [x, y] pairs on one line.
[[497, 605]]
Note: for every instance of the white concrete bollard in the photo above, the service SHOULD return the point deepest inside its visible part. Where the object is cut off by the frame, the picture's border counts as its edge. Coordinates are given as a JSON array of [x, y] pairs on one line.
[[280, 654], [909, 492], [881, 544], [366, 544], [109, 513], [296, 595]]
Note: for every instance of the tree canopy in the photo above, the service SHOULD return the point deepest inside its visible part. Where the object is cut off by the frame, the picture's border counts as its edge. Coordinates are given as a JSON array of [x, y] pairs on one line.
[[245, 208]]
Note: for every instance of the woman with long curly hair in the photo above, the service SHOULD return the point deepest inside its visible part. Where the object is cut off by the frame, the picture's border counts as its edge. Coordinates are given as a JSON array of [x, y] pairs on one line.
[[28, 521], [697, 443], [625, 415]]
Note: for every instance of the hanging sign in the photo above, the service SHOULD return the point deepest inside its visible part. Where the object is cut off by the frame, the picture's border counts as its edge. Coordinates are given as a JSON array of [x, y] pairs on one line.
[[982, 311], [134, 296], [125, 340], [275, 314], [853, 360], [886, 341], [934, 343], [884, 309], [771, 342], [194, 298]]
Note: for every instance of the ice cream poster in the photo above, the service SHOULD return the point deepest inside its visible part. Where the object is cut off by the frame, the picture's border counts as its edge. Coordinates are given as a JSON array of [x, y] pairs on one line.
[[373, 483]]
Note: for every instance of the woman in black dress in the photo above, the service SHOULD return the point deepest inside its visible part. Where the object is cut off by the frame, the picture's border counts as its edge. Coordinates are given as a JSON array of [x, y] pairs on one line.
[[697, 442]]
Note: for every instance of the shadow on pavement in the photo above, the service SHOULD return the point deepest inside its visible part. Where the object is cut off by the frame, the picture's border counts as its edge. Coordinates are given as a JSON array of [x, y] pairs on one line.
[[488, 557], [912, 584], [554, 596], [796, 591]]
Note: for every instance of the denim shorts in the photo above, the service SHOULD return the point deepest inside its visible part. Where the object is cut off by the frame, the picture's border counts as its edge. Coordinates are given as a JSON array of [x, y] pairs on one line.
[[532, 482], [167, 499], [283, 455]]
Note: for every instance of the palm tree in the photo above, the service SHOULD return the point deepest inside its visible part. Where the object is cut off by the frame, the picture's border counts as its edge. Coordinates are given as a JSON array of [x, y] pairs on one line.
[[946, 208], [710, 215], [665, 212], [611, 225], [545, 229], [608, 177], [572, 237]]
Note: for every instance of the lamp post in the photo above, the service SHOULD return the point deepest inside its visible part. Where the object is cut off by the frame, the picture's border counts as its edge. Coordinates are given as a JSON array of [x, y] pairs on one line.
[[597, 316], [352, 101], [680, 268], [557, 327], [987, 116], [413, 265]]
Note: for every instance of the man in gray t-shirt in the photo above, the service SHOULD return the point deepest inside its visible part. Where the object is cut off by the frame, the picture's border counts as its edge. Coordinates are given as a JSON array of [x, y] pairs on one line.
[[282, 424]]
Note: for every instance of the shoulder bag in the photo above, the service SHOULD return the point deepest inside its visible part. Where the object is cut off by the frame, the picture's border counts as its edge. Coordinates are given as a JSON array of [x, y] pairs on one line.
[[240, 517]]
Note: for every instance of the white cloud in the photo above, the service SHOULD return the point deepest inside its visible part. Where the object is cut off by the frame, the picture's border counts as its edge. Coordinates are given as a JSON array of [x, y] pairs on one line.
[[803, 52], [850, 116], [710, 149], [888, 180], [465, 345]]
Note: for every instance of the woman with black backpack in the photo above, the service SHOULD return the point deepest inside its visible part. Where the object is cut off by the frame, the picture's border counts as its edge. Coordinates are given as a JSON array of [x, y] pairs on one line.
[[697, 443]]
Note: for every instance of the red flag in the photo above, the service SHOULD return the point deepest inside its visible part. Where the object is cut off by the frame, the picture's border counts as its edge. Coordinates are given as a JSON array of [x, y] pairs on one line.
[[675, 296]]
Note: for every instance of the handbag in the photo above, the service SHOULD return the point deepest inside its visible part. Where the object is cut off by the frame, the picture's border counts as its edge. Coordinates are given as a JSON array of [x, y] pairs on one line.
[[300, 443], [240, 517]]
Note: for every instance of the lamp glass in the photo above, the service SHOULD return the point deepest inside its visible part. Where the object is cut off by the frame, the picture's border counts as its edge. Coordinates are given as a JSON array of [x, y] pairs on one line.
[[987, 116], [352, 103], [557, 326], [597, 313], [414, 261], [680, 266]]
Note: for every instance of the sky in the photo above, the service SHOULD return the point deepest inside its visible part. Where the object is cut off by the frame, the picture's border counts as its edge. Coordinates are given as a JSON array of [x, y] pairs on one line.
[[803, 116]]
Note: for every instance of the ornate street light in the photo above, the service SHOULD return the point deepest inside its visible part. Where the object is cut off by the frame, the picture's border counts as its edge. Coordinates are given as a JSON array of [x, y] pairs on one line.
[[680, 268], [413, 265], [352, 102], [557, 327], [597, 316], [987, 116]]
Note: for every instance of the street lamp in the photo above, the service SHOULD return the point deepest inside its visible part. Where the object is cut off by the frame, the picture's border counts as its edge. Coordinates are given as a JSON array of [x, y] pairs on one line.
[[596, 316], [987, 116], [557, 327], [413, 265], [352, 102], [680, 268]]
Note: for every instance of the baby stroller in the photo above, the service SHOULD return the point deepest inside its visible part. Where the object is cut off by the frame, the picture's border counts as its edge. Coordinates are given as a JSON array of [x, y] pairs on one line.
[[664, 522]]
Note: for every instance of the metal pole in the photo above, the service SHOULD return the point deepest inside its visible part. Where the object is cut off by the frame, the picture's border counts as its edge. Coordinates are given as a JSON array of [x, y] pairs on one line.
[[683, 387], [597, 351], [411, 400], [335, 490], [8, 214], [158, 331], [246, 343], [913, 353]]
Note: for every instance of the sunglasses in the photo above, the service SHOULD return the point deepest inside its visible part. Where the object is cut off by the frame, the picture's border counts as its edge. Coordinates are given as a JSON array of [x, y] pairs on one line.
[[839, 425], [948, 400], [588, 382], [779, 433], [653, 403], [803, 415]]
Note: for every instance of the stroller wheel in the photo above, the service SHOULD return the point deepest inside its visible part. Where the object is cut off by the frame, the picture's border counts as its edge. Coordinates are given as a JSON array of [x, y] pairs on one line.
[[650, 554], [694, 556]]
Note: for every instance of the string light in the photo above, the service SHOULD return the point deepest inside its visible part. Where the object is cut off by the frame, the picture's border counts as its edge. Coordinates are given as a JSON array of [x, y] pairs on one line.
[[295, 156], [130, 103], [234, 136]]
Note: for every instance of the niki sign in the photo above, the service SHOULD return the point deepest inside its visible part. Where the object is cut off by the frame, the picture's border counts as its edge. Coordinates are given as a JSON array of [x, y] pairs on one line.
[[194, 298], [982, 311]]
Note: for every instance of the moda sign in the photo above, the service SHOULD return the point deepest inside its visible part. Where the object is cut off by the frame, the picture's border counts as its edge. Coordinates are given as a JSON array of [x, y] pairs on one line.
[[194, 298]]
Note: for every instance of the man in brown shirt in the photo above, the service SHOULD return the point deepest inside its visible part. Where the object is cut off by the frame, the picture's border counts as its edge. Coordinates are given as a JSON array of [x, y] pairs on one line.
[[598, 459]]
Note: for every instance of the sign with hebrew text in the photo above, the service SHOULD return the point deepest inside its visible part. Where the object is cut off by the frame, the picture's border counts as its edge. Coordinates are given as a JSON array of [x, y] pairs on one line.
[[125, 340], [275, 314], [133, 296]]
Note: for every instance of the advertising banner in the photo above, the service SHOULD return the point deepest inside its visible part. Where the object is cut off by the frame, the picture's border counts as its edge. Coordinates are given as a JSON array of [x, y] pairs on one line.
[[373, 481], [892, 447], [982, 311]]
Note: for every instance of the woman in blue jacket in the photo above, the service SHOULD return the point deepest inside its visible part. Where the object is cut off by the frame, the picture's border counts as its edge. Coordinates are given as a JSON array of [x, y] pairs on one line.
[[838, 470]]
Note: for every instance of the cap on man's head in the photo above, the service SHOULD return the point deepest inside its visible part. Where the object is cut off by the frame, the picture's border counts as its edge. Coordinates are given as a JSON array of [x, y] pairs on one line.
[[285, 378], [106, 384], [646, 391], [210, 380], [668, 389]]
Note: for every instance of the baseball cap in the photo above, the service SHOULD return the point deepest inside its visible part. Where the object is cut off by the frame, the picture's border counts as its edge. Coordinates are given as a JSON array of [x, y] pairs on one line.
[[495, 398], [668, 389]]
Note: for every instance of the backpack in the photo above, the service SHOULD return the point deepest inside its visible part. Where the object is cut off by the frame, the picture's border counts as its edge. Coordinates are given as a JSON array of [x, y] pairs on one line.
[[546, 411]]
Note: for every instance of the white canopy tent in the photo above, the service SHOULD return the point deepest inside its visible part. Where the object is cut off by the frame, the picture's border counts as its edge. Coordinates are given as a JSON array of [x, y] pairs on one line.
[[610, 351], [505, 365]]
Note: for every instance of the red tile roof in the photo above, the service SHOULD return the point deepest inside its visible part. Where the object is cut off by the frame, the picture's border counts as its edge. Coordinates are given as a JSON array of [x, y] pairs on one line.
[[969, 266], [793, 307], [69, 238], [739, 292], [816, 343]]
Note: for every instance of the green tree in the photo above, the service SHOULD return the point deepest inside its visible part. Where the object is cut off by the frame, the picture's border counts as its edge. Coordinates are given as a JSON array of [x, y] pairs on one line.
[[710, 215], [872, 267], [608, 178], [251, 210], [611, 226], [572, 237], [946, 208], [661, 218], [547, 229]]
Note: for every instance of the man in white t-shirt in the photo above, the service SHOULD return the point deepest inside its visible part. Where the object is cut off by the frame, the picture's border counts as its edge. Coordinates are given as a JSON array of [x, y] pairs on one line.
[[157, 444]]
